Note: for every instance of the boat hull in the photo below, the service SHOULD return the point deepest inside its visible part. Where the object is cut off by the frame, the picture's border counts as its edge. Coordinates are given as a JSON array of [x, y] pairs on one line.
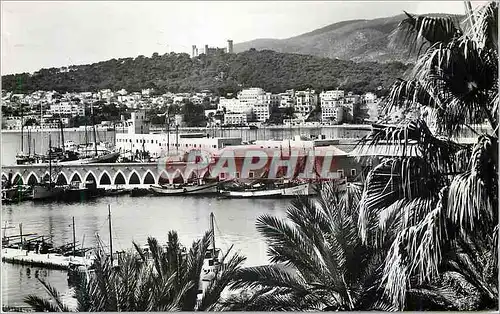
[[46, 193], [301, 189], [187, 190]]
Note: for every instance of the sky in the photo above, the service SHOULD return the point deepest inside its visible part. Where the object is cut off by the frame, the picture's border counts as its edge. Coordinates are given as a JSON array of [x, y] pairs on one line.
[[43, 34]]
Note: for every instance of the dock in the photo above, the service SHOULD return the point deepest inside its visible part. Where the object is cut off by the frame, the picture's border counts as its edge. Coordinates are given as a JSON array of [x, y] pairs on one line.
[[49, 260]]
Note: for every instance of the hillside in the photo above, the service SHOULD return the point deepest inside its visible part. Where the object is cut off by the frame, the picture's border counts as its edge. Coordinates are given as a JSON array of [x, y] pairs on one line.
[[221, 73], [356, 40]]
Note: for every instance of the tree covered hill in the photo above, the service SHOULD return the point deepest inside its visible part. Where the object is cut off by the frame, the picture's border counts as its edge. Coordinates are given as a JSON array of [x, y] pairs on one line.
[[221, 73]]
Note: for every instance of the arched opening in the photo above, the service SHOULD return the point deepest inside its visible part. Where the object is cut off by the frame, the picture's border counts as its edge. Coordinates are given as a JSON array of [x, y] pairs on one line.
[[178, 178], [61, 180], [46, 178], [134, 179], [207, 177], [193, 177], [76, 178], [105, 179], [90, 181], [18, 179], [4, 177], [120, 179], [163, 179], [32, 180], [149, 179]]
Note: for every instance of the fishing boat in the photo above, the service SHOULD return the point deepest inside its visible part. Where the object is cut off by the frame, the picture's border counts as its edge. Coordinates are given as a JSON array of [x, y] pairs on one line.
[[47, 190], [276, 190], [211, 263], [79, 191], [185, 189]]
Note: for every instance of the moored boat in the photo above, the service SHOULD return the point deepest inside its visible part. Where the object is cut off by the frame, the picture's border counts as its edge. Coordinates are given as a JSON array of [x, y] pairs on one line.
[[284, 190], [47, 191], [184, 189]]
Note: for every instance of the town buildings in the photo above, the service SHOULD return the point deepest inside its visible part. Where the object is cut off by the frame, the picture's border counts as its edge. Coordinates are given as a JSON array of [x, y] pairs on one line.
[[251, 105]]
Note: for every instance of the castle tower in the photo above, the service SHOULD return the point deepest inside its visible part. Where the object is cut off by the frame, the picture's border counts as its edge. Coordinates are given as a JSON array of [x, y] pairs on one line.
[[229, 46], [194, 52], [206, 50]]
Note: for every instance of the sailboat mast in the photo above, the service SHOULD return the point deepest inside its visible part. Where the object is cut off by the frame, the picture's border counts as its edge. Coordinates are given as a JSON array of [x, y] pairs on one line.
[[21, 233], [213, 234], [95, 134], [177, 137], [110, 237], [29, 143], [168, 131], [22, 129], [62, 134], [74, 241], [50, 161]]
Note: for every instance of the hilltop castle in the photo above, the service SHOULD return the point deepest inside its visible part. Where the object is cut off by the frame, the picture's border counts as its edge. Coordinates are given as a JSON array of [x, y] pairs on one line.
[[213, 50]]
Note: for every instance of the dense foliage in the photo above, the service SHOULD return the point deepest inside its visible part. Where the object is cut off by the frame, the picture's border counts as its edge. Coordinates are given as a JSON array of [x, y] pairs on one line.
[[221, 73], [434, 203]]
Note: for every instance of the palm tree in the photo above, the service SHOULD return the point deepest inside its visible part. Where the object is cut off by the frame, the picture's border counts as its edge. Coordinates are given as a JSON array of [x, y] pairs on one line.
[[165, 279], [431, 200], [318, 260]]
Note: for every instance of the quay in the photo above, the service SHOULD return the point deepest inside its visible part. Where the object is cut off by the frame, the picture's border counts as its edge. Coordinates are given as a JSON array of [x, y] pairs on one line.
[[48, 260]]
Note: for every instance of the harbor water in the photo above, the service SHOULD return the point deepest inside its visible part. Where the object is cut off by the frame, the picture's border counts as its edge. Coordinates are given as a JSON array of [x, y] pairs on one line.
[[133, 219]]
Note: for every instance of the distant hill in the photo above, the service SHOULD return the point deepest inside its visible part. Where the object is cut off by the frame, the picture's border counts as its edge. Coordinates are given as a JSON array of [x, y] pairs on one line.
[[220, 73], [356, 40]]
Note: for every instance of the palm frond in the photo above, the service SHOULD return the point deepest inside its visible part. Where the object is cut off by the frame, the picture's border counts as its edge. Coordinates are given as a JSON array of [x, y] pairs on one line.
[[223, 277], [416, 250], [54, 295], [421, 31], [41, 305], [485, 28]]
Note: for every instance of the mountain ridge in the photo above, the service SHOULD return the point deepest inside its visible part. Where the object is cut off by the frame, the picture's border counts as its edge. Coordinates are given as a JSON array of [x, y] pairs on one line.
[[357, 40]]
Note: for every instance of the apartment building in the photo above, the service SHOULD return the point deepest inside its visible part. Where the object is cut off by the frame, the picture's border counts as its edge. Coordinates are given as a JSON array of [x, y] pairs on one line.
[[331, 103], [67, 108], [305, 101], [235, 119]]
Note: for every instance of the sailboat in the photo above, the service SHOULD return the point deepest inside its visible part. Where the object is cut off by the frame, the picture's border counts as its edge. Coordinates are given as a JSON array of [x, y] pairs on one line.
[[47, 190], [211, 263]]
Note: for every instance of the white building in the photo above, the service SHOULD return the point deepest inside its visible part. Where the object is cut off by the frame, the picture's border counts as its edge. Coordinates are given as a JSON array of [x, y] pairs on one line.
[[287, 99], [235, 119], [67, 108], [232, 105], [161, 144], [262, 107], [330, 102], [331, 95], [305, 101]]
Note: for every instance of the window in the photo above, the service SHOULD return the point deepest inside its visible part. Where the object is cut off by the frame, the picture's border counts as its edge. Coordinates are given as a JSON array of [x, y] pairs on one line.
[[222, 175], [236, 174], [353, 172], [251, 175], [341, 173]]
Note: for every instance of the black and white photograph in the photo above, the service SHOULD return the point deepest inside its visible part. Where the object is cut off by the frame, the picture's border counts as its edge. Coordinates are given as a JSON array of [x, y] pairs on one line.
[[260, 156]]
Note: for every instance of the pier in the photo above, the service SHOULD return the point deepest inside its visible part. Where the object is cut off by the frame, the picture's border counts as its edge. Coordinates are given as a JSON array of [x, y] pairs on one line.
[[48, 260]]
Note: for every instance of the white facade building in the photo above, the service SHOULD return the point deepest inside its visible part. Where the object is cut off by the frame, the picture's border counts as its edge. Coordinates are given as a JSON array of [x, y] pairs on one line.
[[235, 119], [67, 108], [330, 102], [305, 101], [287, 99], [262, 107], [161, 144]]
